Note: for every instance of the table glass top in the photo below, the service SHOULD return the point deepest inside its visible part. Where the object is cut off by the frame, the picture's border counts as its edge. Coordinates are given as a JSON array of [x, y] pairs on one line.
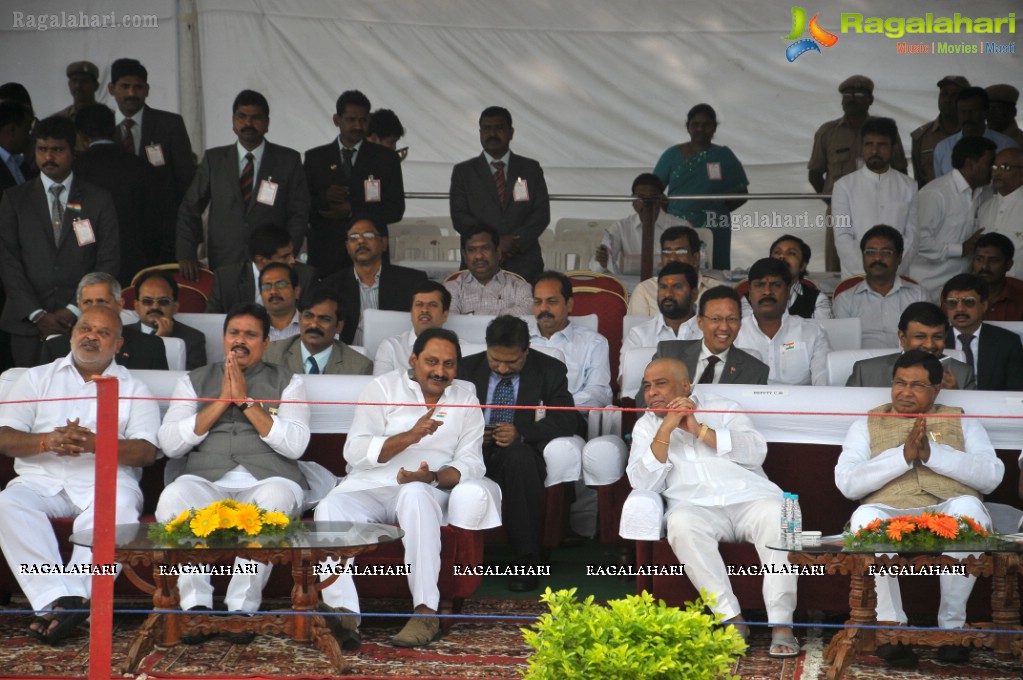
[[306, 535], [836, 544]]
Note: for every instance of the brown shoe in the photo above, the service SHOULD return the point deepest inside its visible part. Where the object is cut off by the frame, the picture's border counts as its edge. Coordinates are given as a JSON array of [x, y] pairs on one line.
[[419, 631]]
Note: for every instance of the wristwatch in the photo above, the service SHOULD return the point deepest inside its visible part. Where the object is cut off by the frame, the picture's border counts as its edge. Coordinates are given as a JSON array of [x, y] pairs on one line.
[[246, 405], [436, 481]]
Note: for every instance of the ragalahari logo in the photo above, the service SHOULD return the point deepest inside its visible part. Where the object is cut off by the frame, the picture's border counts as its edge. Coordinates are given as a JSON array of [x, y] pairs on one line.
[[817, 35]]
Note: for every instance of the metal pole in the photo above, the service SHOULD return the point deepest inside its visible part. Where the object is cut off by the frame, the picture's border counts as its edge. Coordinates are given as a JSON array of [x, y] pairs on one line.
[[611, 198], [104, 519]]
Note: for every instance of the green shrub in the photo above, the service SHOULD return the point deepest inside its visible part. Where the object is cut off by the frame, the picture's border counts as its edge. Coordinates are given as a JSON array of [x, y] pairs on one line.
[[630, 639]]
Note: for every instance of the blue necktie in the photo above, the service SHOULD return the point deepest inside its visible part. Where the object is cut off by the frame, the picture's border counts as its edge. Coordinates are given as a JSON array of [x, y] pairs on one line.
[[313, 368], [504, 395]]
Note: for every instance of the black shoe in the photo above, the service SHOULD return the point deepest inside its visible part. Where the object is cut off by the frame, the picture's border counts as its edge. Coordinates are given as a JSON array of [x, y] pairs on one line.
[[197, 638], [522, 584], [953, 654], [240, 638], [902, 656]]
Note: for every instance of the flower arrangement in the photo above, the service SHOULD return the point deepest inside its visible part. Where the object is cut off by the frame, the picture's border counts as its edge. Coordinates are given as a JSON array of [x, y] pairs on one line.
[[223, 520], [926, 531]]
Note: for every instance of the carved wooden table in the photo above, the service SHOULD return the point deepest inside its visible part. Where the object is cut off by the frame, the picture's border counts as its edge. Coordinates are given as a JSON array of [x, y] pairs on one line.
[[1002, 564], [303, 550]]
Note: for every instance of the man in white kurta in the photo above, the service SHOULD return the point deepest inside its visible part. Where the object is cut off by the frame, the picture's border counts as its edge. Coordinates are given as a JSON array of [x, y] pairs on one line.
[[1004, 212], [947, 209], [53, 444], [895, 467], [431, 302], [403, 462], [707, 466]]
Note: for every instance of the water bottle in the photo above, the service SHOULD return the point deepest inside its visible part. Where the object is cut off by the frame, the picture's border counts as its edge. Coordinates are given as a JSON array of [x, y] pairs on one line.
[[786, 514], [797, 522]]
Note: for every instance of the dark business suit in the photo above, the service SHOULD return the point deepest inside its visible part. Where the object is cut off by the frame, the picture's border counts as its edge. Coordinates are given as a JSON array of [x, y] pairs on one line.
[[343, 360], [138, 352], [396, 285], [171, 179], [41, 274], [877, 372], [999, 358], [195, 342], [324, 167], [129, 180], [474, 202], [741, 368], [230, 220], [28, 172], [235, 282], [519, 469]]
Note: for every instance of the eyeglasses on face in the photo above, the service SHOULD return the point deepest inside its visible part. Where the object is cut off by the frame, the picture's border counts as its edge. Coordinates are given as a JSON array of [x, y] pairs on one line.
[[730, 320], [161, 301], [367, 235], [968, 302], [915, 387], [1005, 166], [677, 252], [883, 252], [270, 285]]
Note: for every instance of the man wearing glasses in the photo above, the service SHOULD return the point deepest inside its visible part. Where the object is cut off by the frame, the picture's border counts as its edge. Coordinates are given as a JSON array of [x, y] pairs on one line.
[[678, 244], [906, 466], [370, 283], [278, 286], [1004, 212], [156, 301]]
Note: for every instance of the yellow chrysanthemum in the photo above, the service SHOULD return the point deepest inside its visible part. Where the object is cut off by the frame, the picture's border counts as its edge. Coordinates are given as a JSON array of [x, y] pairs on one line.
[[205, 522], [228, 503], [276, 519], [247, 519], [228, 517], [172, 525]]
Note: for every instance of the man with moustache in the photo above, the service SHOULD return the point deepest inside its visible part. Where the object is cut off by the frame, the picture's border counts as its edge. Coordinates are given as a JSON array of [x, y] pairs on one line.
[[245, 446], [156, 301], [992, 259], [404, 459], [676, 300], [278, 286], [82, 83], [795, 349], [874, 194], [431, 302], [504, 191], [927, 136], [53, 444], [972, 106], [348, 178], [678, 244], [484, 288], [1004, 212], [315, 350], [879, 297], [806, 301], [53, 231], [245, 185], [1001, 113]]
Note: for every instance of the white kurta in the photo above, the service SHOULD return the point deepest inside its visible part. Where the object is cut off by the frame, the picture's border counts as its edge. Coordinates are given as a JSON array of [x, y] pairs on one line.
[[878, 314], [587, 356], [796, 355], [393, 352], [1004, 214]]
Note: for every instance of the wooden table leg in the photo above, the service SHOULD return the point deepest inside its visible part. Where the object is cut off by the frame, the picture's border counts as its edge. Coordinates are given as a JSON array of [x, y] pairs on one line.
[[863, 612], [1005, 602]]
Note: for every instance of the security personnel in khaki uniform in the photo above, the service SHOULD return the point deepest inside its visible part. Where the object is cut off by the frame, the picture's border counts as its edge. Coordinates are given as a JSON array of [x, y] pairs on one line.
[[82, 83], [927, 136], [1001, 113]]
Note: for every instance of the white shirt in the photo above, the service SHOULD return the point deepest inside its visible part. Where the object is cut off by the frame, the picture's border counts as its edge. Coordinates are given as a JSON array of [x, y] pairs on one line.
[[879, 315], [503, 294], [288, 436], [865, 199], [457, 443], [369, 298], [943, 150], [255, 278], [47, 473], [643, 301], [696, 474], [286, 332], [796, 355], [393, 352], [947, 208], [858, 475], [821, 306], [624, 240], [587, 356], [355, 150], [1004, 214], [649, 333]]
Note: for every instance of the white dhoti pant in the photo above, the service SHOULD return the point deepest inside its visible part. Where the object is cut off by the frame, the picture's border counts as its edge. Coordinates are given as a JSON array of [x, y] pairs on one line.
[[418, 509], [27, 537], [955, 590], [245, 591], [694, 533]]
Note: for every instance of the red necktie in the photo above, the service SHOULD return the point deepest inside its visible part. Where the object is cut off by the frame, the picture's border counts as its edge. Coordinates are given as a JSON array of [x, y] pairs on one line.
[[499, 180], [128, 139], [245, 181]]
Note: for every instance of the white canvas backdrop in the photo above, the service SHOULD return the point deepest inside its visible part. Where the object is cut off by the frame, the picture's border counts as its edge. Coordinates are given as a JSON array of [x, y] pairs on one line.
[[597, 89]]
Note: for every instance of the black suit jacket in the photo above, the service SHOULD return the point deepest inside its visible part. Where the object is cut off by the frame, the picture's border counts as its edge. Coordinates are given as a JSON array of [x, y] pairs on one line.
[[323, 167], [396, 284], [195, 342], [139, 351], [231, 221], [543, 379], [130, 182], [39, 273], [474, 201], [235, 282], [741, 368], [171, 179], [1000, 358], [28, 171]]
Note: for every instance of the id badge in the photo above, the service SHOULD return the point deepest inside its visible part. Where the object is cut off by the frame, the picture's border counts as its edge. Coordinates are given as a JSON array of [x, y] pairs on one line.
[[267, 192], [371, 188], [540, 413], [83, 232], [521, 191], [154, 152], [714, 171]]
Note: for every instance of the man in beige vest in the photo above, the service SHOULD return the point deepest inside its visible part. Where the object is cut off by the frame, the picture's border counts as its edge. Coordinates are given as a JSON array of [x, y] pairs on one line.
[[906, 466]]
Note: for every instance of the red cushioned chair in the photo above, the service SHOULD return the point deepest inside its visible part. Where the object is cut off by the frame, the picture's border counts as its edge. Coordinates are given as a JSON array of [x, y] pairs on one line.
[[610, 307], [203, 284], [190, 300]]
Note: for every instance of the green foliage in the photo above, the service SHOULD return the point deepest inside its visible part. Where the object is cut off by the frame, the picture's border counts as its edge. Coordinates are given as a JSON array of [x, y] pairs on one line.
[[629, 639]]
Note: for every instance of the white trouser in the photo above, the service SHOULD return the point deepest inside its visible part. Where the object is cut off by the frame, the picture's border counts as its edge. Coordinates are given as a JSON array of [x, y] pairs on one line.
[[955, 590], [418, 509], [245, 591], [27, 537], [694, 533]]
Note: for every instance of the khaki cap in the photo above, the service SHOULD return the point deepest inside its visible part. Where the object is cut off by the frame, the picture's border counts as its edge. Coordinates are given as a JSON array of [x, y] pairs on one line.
[[1003, 93], [856, 83], [83, 67]]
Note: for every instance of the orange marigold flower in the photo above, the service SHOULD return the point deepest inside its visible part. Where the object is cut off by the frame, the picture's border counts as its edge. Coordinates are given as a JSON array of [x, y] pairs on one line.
[[873, 526], [945, 526], [975, 525], [898, 527]]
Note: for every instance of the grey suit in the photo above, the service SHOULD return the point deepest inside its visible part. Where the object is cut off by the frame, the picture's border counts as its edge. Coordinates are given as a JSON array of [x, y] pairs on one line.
[[474, 202], [230, 221], [343, 359], [877, 372], [741, 368]]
